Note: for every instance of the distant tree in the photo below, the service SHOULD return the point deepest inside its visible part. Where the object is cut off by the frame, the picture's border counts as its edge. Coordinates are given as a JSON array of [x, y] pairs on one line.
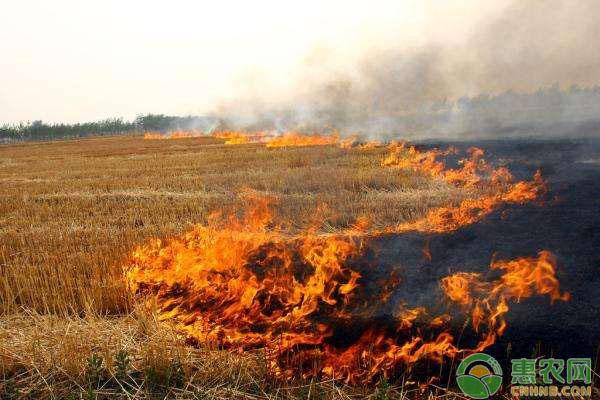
[[39, 130]]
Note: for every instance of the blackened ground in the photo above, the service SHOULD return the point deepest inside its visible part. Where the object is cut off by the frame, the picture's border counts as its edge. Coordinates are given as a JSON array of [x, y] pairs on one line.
[[567, 225]]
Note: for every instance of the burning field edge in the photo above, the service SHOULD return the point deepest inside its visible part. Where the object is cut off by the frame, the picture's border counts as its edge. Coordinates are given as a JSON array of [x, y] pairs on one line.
[[239, 305], [245, 284]]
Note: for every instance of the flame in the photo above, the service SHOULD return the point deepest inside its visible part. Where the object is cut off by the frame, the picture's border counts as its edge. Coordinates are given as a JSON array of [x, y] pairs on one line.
[[487, 301], [184, 134], [154, 136], [245, 283], [172, 135], [349, 142], [231, 137], [353, 142], [238, 137], [271, 139], [287, 139], [493, 187], [297, 139]]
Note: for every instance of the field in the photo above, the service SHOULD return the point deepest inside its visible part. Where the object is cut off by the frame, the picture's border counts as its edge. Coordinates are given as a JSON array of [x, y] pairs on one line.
[[71, 213]]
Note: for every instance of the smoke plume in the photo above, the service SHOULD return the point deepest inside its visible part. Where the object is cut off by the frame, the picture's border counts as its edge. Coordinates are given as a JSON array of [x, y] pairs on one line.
[[530, 71]]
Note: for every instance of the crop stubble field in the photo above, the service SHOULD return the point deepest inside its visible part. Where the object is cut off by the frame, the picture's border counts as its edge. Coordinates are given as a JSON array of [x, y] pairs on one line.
[[72, 211]]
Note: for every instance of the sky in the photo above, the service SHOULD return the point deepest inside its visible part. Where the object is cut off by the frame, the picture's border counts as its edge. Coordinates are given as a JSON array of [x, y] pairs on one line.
[[74, 60]]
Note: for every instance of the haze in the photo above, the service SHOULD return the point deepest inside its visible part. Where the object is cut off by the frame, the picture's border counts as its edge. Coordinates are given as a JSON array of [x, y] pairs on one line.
[[74, 61]]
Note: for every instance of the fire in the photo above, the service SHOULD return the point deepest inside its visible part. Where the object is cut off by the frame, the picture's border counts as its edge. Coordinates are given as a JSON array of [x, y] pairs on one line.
[[236, 137], [492, 187], [353, 142], [154, 136], [184, 134], [230, 137], [349, 142], [487, 300], [296, 139], [525, 276], [171, 135], [245, 283], [288, 139], [271, 139]]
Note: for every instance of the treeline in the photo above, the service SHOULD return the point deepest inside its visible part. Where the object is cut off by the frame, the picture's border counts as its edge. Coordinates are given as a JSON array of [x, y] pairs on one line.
[[547, 112], [39, 130], [163, 123]]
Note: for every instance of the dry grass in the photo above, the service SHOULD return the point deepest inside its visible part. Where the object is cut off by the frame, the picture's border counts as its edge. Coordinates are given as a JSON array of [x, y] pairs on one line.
[[71, 212], [136, 357]]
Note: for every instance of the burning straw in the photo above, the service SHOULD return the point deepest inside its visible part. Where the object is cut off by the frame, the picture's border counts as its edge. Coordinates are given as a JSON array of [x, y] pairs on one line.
[[243, 284]]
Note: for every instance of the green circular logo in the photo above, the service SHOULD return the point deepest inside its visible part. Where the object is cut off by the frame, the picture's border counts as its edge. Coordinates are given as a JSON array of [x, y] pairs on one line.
[[479, 376]]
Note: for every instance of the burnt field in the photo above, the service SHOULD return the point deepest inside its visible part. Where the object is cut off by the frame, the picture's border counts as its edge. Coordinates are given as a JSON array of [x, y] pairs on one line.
[[245, 270], [567, 223]]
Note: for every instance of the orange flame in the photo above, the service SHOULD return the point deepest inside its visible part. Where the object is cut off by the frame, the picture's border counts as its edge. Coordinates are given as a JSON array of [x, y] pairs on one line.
[[487, 301], [171, 135], [244, 284], [296, 139], [353, 142], [238, 137], [496, 186], [154, 136], [288, 139]]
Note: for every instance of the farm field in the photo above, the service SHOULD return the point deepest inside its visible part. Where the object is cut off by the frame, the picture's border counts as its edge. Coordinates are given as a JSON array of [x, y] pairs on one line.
[[71, 212], [191, 268], [211, 201]]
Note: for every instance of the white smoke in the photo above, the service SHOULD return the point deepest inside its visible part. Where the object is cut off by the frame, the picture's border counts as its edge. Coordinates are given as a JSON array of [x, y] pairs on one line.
[[502, 80]]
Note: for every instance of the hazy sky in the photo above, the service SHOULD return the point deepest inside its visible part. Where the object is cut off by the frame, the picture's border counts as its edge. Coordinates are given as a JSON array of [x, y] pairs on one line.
[[80, 60]]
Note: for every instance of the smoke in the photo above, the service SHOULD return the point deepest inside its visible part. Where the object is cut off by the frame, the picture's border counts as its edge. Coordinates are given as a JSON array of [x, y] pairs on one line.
[[529, 71], [537, 43]]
